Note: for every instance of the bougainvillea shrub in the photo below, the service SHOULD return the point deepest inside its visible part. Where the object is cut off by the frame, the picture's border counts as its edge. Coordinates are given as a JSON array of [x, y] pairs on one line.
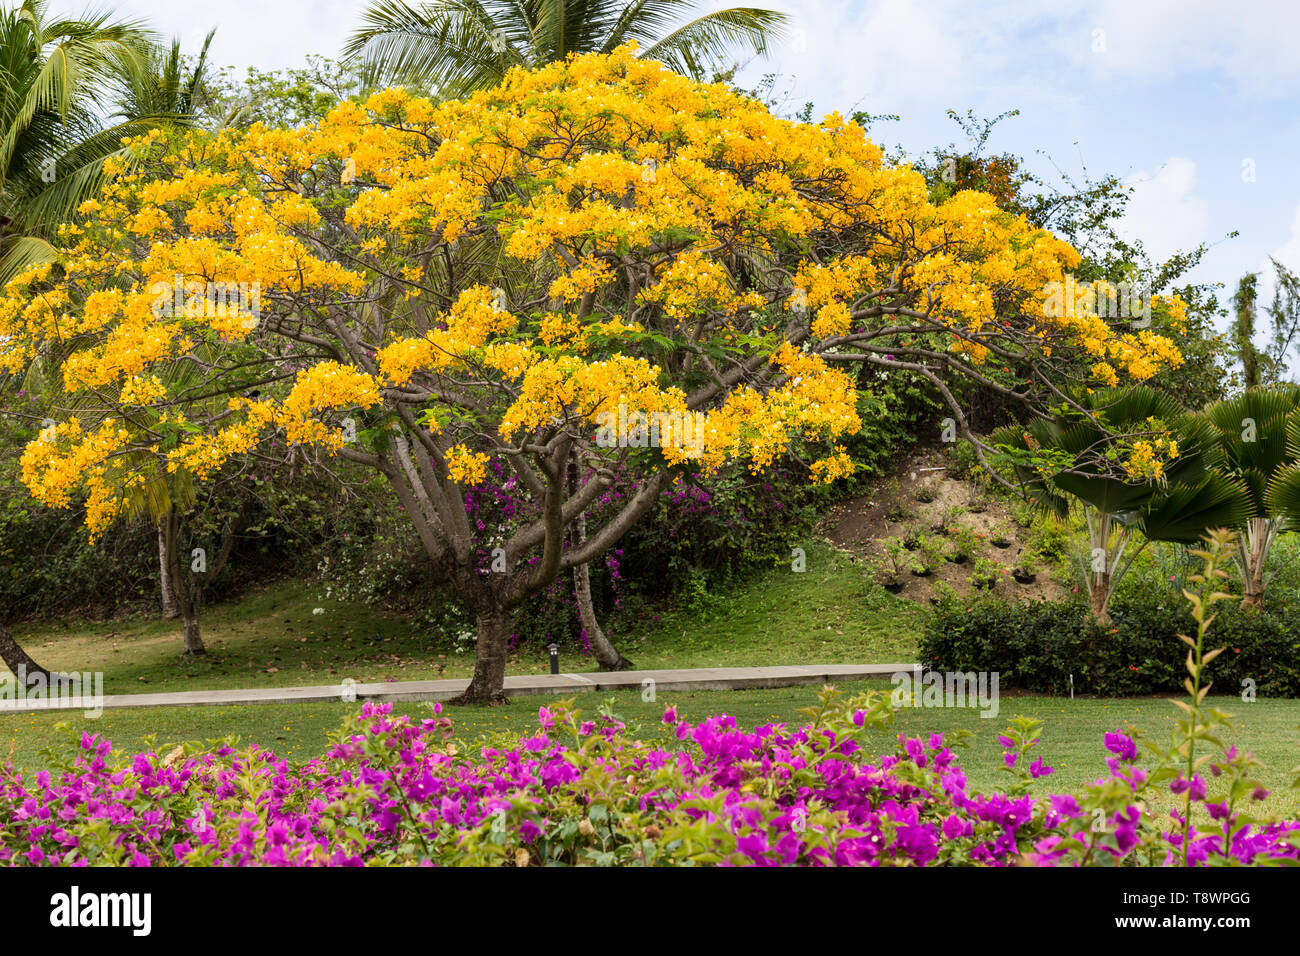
[[392, 790]]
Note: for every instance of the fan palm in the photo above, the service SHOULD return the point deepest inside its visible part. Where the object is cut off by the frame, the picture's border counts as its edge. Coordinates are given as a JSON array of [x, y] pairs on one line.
[[1252, 432], [1188, 498], [460, 45]]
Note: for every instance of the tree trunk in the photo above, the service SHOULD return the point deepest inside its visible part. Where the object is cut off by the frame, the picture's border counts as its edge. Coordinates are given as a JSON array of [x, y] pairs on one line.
[[169, 609], [607, 654], [1103, 563], [487, 686], [17, 659], [1098, 590], [186, 593], [190, 621], [1254, 554]]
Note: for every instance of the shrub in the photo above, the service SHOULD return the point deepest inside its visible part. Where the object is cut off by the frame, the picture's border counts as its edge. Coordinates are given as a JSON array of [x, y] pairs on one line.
[[1037, 645], [963, 543], [963, 460], [926, 491], [394, 792], [986, 574], [928, 554]]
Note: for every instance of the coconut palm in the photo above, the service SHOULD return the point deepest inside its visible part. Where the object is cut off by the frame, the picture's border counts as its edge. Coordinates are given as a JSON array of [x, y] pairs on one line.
[[459, 45], [1076, 461], [168, 88], [53, 138], [1252, 432]]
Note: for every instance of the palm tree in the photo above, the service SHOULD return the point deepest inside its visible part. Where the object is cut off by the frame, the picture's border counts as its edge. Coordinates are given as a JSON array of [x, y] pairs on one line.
[[53, 141], [1079, 457], [166, 88], [456, 46], [1253, 429]]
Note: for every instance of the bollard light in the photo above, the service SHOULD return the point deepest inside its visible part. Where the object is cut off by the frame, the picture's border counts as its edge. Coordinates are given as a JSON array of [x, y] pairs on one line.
[[555, 657]]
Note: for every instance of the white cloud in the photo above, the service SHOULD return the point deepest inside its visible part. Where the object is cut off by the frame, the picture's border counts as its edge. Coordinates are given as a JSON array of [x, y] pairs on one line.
[[1164, 211], [1252, 46], [268, 34], [1288, 254]]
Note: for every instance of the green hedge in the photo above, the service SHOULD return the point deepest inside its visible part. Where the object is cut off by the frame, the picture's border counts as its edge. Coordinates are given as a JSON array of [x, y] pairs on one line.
[[1037, 645]]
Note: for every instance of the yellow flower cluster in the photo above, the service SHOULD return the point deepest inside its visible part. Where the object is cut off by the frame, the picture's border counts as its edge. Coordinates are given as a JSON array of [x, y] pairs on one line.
[[473, 318], [328, 385], [559, 388], [813, 400], [1147, 459], [65, 459], [582, 280], [464, 466], [204, 455], [695, 284]]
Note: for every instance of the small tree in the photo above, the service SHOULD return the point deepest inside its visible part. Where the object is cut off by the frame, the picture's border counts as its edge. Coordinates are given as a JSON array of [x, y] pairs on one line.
[[1244, 330]]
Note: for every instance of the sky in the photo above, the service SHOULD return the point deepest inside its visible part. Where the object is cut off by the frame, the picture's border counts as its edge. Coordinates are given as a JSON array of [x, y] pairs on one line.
[[1192, 101]]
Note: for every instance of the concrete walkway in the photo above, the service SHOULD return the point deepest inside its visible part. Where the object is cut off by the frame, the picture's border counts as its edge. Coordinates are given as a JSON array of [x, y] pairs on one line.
[[705, 678]]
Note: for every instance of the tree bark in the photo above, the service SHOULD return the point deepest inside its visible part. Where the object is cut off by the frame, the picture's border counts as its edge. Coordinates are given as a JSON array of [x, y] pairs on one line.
[[1098, 590], [169, 609], [488, 683], [607, 654], [1254, 555], [17, 659], [1099, 537], [186, 598], [193, 639]]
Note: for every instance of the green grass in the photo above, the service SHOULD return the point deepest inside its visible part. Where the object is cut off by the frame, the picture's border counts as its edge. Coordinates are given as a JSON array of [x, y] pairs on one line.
[[826, 614], [1071, 739], [272, 638]]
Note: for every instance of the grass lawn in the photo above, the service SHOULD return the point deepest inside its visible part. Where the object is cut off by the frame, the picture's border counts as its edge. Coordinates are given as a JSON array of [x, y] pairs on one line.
[[826, 614], [1071, 740]]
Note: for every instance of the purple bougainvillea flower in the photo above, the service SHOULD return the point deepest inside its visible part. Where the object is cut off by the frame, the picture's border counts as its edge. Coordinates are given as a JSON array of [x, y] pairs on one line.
[[1066, 805], [1196, 786], [753, 845], [955, 826], [916, 751], [529, 831], [1121, 745], [770, 795]]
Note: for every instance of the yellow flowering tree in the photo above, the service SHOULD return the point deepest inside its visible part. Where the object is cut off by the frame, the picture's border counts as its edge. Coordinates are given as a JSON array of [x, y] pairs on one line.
[[113, 449], [598, 265]]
